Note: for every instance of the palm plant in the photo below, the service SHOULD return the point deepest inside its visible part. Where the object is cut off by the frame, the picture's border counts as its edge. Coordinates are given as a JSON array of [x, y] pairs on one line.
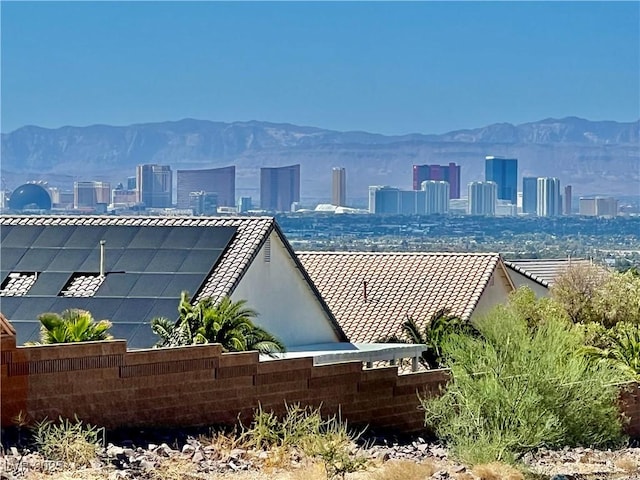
[[623, 349], [441, 324], [228, 323], [73, 325]]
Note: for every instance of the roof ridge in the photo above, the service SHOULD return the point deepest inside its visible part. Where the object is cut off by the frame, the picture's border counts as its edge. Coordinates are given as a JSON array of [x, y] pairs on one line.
[[450, 254]]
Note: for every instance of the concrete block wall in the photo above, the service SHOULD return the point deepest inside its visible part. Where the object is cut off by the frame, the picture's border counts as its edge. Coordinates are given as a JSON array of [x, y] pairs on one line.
[[106, 385]]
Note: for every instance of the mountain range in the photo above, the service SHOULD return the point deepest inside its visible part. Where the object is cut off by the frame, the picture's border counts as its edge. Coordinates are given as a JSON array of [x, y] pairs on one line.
[[600, 157]]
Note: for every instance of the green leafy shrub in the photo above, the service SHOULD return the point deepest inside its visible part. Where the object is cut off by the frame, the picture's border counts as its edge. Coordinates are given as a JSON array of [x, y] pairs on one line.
[[515, 388], [71, 442], [619, 345]]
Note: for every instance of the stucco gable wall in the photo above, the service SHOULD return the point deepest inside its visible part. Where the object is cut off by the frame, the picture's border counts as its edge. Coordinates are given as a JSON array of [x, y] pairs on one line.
[[495, 293], [287, 306], [521, 280]]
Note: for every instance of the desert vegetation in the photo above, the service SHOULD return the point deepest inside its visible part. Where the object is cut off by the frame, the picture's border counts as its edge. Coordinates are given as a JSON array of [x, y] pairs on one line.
[[542, 372], [226, 322]]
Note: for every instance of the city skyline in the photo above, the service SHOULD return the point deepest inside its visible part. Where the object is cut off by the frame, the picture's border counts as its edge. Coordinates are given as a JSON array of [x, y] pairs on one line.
[[371, 66]]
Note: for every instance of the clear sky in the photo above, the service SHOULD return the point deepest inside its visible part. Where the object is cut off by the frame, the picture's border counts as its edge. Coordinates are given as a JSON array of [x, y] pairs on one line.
[[384, 67]]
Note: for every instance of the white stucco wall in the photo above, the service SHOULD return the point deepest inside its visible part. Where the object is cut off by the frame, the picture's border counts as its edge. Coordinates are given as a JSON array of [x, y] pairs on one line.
[[279, 293], [496, 292], [520, 280]]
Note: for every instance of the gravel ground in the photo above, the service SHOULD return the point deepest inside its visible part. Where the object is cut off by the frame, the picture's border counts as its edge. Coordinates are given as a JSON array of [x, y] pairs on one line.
[[416, 459]]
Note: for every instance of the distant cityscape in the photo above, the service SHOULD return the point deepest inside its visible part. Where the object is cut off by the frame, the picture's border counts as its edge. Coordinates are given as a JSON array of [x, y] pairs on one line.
[[436, 191]]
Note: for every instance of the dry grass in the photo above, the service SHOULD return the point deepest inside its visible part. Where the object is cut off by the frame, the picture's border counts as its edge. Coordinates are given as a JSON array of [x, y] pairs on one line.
[[497, 471], [627, 464], [175, 468], [85, 474], [404, 470]]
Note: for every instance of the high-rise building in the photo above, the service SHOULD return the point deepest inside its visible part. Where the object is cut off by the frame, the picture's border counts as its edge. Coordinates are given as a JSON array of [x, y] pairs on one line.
[[244, 204], [448, 173], [131, 183], [504, 172], [203, 203], [482, 198], [216, 180], [154, 184], [529, 194], [279, 187], [549, 204], [437, 196], [566, 200], [599, 206], [124, 197], [339, 187], [90, 194]]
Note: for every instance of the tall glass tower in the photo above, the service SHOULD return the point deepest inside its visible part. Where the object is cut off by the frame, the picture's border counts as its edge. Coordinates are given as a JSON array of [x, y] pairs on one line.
[[504, 172]]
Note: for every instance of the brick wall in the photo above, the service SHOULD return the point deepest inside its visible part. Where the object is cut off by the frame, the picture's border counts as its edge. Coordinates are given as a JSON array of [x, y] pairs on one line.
[[106, 385]]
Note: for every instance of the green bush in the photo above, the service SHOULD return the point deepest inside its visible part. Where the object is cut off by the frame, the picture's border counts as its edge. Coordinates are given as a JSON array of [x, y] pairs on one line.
[[517, 387], [73, 443]]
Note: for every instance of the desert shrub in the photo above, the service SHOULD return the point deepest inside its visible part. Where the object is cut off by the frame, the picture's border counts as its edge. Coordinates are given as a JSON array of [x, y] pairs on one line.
[[618, 299], [535, 310], [516, 388], [576, 289], [71, 442], [328, 440]]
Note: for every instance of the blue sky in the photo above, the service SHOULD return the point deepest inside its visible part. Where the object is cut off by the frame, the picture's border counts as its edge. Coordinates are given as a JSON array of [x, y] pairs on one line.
[[384, 67]]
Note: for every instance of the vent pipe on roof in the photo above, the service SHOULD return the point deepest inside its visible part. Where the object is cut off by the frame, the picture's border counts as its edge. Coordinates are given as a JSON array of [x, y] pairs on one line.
[[102, 243], [364, 284]]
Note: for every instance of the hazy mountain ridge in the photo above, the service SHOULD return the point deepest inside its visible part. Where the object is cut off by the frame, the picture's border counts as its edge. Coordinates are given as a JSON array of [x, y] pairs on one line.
[[602, 155]]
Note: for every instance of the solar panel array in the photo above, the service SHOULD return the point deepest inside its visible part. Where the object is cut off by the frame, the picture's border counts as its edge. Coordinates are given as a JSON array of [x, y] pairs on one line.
[[146, 267]]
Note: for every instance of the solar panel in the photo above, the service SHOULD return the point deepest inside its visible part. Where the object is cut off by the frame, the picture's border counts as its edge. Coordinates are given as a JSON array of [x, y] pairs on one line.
[[149, 237], [10, 256], [69, 260], [49, 283], [150, 285], [116, 285], [26, 331], [134, 260], [36, 260], [86, 237], [166, 260], [21, 235], [118, 237], [187, 282], [147, 268], [199, 261], [53, 236], [218, 237], [33, 308], [103, 308]]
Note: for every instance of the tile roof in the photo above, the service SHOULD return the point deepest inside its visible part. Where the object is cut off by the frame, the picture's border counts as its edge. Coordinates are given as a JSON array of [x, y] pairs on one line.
[[18, 284], [546, 270], [397, 285], [83, 286], [250, 234]]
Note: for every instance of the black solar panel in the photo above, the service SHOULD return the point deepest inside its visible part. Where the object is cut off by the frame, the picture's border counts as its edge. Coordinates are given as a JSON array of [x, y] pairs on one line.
[[49, 283], [86, 237], [53, 236], [36, 260], [26, 331], [20, 236], [69, 260], [10, 256], [146, 269]]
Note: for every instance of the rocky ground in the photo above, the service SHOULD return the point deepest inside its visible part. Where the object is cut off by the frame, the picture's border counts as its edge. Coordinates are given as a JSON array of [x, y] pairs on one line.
[[416, 459]]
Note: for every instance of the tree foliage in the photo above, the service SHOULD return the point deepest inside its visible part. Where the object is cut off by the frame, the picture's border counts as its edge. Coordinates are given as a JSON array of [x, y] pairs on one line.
[[73, 325], [591, 294], [227, 322], [517, 387], [441, 324]]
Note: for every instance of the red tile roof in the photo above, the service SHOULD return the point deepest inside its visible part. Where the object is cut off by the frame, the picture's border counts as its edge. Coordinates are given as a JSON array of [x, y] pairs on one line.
[[371, 294]]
